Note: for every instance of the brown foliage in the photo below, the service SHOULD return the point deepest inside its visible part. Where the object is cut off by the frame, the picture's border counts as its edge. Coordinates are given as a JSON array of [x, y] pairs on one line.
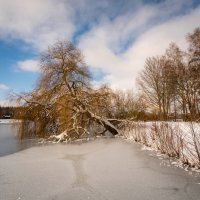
[[63, 100]]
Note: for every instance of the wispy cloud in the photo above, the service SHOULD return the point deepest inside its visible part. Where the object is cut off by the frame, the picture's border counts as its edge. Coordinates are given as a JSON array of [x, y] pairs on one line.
[[40, 23], [122, 69], [3, 87], [28, 65], [36, 22]]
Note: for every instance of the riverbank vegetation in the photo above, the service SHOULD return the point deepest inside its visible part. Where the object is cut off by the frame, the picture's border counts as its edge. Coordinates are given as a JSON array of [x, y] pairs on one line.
[[180, 140]]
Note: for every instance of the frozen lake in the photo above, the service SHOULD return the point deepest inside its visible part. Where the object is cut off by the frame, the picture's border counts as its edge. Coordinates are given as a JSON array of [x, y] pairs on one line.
[[104, 169]]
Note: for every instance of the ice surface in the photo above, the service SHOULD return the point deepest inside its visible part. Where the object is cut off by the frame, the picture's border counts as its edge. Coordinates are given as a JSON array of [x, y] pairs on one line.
[[101, 169]]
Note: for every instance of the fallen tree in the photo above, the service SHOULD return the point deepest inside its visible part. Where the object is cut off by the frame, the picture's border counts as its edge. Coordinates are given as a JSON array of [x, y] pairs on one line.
[[64, 106]]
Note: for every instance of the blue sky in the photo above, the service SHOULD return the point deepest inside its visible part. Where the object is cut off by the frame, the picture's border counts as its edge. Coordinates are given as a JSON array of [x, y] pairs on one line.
[[116, 36]]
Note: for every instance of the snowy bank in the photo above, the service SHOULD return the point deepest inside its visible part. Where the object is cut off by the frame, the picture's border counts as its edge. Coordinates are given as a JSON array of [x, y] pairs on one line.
[[176, 139]]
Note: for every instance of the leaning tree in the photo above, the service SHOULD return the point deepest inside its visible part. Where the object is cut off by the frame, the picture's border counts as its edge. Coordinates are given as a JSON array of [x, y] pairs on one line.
[[64, 105]]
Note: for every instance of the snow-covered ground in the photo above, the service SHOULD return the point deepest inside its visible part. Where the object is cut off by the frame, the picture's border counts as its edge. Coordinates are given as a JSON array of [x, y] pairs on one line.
[[102, 169], [176, 139]]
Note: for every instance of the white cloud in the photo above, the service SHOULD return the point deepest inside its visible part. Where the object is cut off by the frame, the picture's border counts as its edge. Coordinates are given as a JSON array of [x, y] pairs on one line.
[[110, 26], [122, 69], [4, 87], [36, 22], [28, 65], [41, 23]]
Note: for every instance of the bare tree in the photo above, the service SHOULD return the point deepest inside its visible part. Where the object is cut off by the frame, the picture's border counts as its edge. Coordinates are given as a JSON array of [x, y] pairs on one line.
[[155, 81], [63, 100], [194, 72], [128, 105], [175, 59]]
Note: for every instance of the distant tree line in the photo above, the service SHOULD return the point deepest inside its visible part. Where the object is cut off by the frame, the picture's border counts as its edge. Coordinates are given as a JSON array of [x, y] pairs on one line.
[[10, 111], [6, 111]]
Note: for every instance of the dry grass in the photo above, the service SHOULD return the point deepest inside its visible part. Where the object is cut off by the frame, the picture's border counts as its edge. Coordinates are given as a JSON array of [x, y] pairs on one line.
[[179, 140]]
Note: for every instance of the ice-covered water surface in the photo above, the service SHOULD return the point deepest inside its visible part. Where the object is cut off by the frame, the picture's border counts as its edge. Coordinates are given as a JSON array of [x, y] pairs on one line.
[[101, 169]]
